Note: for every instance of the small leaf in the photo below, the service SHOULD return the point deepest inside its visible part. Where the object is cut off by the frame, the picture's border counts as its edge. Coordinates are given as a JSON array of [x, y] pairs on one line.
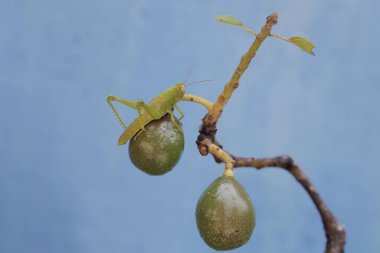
[[230, 20], [303, 44]]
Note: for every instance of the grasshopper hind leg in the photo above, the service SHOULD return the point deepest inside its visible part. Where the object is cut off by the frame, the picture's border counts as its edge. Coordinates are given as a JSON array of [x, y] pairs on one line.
[[151, 111], [139, 105], [135, 105], [110, 99]]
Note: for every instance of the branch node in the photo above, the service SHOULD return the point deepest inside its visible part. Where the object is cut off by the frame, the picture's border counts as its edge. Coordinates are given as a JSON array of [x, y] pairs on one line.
[[203, 150], [286, 162]]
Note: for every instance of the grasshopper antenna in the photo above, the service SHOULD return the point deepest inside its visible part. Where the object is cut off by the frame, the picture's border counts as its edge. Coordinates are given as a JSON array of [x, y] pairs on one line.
[[188, 76], [190, 71], [202, 81]]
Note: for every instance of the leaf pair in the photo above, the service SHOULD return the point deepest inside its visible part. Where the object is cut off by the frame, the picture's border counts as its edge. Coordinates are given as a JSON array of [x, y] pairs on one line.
[[303, 43]]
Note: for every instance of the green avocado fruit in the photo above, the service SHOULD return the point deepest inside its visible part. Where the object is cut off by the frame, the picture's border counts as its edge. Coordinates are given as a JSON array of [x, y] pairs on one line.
[[157, 150], [225, 214]]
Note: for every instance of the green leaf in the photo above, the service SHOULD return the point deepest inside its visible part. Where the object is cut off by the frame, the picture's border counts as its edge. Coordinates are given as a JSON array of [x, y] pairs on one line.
[[303, 44], [230, 20]]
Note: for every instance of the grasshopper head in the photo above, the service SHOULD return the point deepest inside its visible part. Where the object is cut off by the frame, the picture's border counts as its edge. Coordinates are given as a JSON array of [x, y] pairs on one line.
[[181, 89]]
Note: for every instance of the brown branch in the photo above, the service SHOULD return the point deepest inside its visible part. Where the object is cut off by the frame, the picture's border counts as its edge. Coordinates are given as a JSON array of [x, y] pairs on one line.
[[335, 232]]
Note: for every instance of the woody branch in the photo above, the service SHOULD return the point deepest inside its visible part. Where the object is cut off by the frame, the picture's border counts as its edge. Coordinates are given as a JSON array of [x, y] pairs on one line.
[[207, 142]]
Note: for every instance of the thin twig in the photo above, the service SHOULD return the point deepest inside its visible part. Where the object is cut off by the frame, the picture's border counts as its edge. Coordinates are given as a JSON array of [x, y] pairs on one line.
[[216, 111], [220, 155], [199, 100]]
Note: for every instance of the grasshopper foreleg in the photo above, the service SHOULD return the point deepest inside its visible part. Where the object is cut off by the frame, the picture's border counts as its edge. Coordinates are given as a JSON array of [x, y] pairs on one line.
[[172, 119], [180, 111]]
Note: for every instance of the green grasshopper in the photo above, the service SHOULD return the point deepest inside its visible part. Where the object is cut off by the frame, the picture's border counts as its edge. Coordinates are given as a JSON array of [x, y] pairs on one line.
[[160, 105]]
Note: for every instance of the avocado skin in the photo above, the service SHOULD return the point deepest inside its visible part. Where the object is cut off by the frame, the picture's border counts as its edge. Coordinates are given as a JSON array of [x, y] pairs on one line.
[[157, 150], [225, 214]]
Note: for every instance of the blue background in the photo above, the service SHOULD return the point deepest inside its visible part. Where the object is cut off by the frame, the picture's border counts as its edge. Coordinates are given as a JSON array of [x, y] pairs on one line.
[[65, 186]]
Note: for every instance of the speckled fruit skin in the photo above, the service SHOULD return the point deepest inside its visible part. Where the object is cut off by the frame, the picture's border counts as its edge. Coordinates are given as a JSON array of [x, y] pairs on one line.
[[157, 149], [225, 214]]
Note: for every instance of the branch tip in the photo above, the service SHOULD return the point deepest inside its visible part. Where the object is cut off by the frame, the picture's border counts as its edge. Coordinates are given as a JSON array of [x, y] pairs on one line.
[[272, 20]]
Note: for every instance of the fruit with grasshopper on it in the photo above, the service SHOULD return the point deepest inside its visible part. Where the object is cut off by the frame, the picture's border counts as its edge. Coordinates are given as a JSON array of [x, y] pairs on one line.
[[156, 136]]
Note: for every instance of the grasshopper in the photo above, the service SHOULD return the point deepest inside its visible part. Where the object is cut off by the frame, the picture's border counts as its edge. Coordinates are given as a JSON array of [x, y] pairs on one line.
[[160, 105]]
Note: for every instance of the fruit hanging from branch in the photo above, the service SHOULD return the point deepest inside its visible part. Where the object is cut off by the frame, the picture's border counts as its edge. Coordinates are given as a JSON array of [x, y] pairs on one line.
[[225, 214]]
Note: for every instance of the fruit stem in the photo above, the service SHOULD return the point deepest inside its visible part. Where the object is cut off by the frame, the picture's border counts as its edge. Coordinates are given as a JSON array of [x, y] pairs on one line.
[[221, 155], [199, 100], [229, 170]]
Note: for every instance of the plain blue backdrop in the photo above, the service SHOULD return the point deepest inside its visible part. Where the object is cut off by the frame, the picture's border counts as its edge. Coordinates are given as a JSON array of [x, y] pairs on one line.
[[65, 186]]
